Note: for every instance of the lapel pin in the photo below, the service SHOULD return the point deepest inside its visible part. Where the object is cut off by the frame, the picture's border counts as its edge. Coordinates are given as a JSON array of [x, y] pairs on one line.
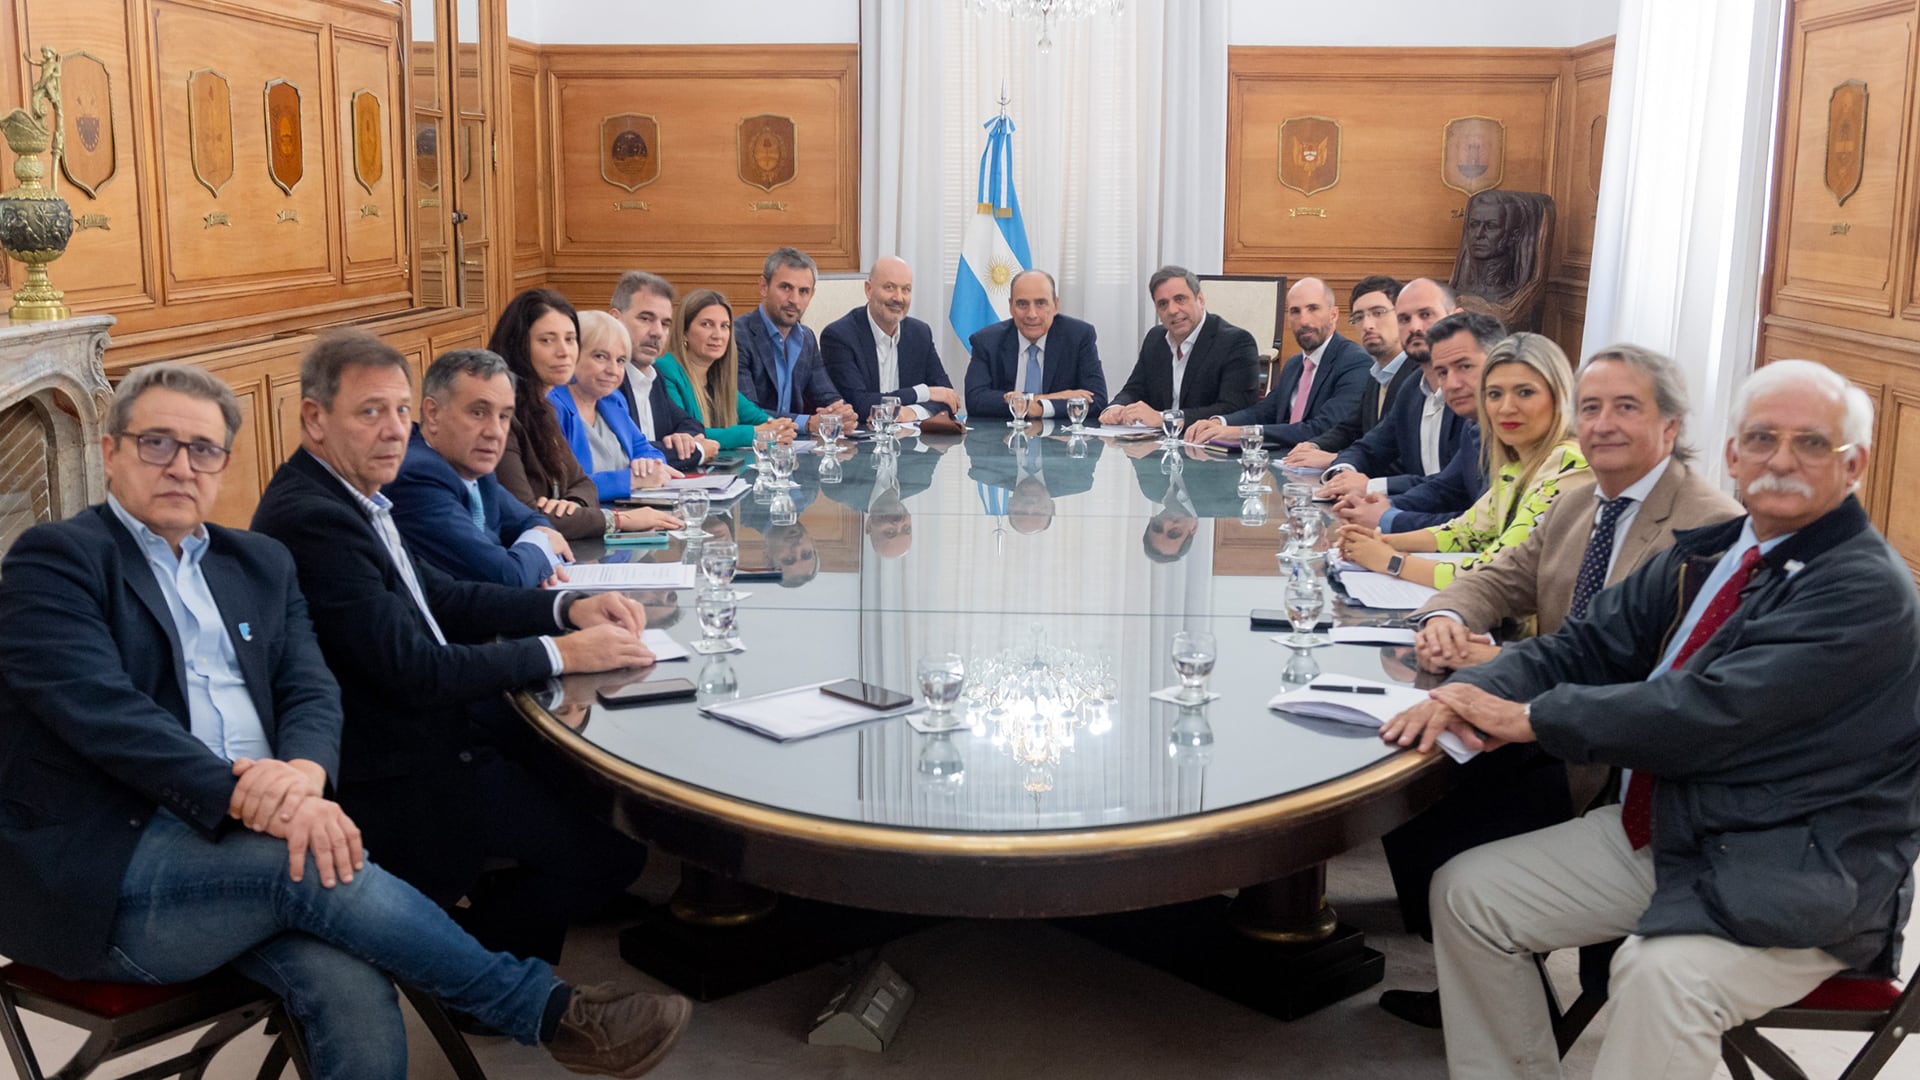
[[1794, 566], [246, 632]]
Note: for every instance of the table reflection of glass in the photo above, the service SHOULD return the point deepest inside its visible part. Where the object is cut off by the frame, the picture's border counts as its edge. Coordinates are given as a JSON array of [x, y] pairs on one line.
[[1067, 799]]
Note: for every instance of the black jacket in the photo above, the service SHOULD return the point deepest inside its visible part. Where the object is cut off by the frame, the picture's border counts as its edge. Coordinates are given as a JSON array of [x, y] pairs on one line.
[[1222, 371]]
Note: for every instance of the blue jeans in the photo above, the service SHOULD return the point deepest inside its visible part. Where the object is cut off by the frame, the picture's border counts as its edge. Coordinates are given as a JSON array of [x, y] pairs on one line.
[[190, 904]]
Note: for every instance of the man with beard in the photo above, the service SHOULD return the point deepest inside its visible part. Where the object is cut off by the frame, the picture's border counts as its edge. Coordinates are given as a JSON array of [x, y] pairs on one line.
[[878, 350], [643, 303], [780, 365], [1370, 310], [1319, 386]]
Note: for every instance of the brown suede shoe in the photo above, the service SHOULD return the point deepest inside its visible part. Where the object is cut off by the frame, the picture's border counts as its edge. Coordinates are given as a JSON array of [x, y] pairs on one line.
[[611, 1032]]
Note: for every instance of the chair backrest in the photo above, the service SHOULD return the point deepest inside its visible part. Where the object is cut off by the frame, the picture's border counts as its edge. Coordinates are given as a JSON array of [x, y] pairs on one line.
[[1256, 303], [833, 296]]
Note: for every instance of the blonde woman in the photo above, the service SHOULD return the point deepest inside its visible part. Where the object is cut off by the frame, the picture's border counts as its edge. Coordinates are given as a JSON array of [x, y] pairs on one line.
[[702, 373], [1528, 451], [594, 418]]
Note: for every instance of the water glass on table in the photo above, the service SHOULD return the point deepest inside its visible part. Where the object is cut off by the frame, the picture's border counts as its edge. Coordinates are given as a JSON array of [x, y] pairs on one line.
[[719, 617], [762, 438], [1076, 413], [1253, 472], [942, 678], [1252, 437], [1297, 496], [1017, 402], [827, 430], [719, 561], [1172, 422], [1303, 601], [780, 458], [1193, 655], [693, 508]]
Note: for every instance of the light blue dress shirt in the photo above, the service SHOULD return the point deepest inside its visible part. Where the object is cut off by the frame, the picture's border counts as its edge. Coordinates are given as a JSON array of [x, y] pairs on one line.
[[219, 709], [789, 347]]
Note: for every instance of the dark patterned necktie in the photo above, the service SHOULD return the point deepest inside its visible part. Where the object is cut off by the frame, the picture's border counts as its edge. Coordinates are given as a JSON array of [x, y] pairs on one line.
[[1593, 565], [1636, 813]]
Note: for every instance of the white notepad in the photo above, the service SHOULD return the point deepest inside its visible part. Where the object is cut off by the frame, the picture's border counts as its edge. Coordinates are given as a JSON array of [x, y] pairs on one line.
[[605, 577], [1365, 710], [1384, 590], [798, 713]]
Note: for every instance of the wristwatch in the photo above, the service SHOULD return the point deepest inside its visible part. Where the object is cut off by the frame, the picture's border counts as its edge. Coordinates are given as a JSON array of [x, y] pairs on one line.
[[613, 520], [1395, 563]]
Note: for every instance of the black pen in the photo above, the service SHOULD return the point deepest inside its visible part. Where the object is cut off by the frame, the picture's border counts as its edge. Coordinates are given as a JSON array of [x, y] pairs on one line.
[[1381, 690]]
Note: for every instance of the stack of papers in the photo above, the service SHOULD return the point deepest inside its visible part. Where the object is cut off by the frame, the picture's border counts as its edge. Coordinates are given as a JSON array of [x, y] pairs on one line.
[[1381, 702], [1384, 590], [1117, 430], [606, 577], [798, 713]]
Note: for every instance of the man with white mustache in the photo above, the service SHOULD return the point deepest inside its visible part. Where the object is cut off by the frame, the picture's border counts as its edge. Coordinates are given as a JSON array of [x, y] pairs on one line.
[[1758, 682]]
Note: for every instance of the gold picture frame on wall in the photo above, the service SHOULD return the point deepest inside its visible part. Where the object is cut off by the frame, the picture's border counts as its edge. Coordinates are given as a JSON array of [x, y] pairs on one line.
[[1473, 154], [768, 146], [286, 140], [629, 150], [210, 128], [91, 155], [369, 138], [1310, 153]]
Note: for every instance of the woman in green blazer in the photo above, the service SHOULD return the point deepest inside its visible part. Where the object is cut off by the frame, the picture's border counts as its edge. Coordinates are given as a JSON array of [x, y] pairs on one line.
[[702, 373]]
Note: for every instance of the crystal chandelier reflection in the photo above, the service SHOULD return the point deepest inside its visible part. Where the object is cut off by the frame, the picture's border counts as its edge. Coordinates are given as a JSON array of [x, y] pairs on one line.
[[1032, 699], [1048, 12]]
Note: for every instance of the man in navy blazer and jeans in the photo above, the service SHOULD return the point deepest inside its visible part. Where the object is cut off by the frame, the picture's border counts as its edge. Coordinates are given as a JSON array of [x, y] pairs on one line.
[[172, 733], [450, 509], [877, 350], [1319, 387], [780, 366], [1049, 356]]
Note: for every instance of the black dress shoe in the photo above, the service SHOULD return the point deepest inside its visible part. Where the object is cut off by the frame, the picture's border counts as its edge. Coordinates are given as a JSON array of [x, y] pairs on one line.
[[1420, 1007]]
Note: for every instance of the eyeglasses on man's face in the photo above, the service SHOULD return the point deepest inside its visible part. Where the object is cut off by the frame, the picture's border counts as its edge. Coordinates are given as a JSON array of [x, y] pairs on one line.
[[1809, 447], [157, 449]]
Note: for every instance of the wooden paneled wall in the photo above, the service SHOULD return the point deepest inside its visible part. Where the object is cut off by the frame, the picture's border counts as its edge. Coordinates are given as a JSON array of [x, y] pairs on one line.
[[1389, 210], [1844, 283], [697, 222], [185, 247]]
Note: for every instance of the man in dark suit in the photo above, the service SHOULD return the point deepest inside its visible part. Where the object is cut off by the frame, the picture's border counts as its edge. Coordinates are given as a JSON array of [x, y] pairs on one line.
[[1319, 386], [879, 350], [450, 509], [780, 365], [1370, 310], [171, 733], [1005, 356], [1199, 363], [432, 761], [643, 303]]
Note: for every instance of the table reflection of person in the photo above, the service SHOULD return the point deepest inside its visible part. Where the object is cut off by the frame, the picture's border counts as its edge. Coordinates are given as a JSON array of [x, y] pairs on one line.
[[663, 605], [789, 546], [1209, 484], [881, 494], [1023, 482]]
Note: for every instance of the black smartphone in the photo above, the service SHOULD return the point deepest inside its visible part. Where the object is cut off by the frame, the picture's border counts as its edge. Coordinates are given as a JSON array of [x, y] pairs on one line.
[[1271, 619], [647, 692], [863, 693], [758, 573]]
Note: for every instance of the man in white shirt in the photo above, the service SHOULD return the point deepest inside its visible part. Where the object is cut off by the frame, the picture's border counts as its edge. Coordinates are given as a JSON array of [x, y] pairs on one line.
[[643, 303], [878, 350], [1193, 361]]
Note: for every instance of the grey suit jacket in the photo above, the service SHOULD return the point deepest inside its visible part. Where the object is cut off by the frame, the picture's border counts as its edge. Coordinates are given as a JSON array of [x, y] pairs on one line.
[[1536, 576]]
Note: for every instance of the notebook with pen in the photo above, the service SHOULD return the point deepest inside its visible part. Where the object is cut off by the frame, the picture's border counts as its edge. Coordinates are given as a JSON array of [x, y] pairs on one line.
[[1365, 702]]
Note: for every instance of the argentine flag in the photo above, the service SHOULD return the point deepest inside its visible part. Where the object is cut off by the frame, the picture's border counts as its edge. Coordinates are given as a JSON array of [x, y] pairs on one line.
[[996, 241]]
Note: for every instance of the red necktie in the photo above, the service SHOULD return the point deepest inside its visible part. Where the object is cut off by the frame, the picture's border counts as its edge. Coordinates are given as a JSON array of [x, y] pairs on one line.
[[1636, 814]]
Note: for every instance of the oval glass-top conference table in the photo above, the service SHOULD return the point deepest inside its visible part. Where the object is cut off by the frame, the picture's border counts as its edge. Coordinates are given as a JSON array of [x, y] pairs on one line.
[[1071, 562]]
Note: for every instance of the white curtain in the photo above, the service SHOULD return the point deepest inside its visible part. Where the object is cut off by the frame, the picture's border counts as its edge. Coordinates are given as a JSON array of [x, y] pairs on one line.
[[1119, 150], [1680, 237]]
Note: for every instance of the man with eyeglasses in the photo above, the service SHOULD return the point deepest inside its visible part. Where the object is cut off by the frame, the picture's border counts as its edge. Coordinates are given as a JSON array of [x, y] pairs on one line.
[[171, 740], [1370, 310], [1758, 682]]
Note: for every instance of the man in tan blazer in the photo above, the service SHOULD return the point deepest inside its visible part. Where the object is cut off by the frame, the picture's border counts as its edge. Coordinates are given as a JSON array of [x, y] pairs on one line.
[[1631, 407]]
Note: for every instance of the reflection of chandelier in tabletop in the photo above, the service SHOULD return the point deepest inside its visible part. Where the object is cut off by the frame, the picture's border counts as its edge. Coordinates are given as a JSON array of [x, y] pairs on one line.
[[1032, 699]]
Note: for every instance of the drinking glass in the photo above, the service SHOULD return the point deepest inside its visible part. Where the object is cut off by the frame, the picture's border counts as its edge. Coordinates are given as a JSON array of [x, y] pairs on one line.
[[719, 559], [942, 678], [1170, 424], [780, 458], [1017, 402], [1301, 668], [1076, 446], [694, 504], [1253, 472], [1303, 600], [762, 439], [828, 433], [1253, 511], [830, 470], [718, 618], [892, 403], [1252, 437], [877, 418], [1193, 656], [1297, 496], [939, 769], [781, 510], [1305, 524], [1076, 413], [718, 680]]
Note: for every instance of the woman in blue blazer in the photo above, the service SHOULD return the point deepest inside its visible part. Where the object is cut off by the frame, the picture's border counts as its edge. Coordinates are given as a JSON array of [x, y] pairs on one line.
[[594, 418]]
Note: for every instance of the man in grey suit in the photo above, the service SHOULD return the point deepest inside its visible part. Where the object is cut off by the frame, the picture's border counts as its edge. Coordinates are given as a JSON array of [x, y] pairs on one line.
[[1758, 679]]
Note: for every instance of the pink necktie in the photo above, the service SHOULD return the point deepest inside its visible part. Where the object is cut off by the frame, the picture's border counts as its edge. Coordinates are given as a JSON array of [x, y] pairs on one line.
[[1300, 392]]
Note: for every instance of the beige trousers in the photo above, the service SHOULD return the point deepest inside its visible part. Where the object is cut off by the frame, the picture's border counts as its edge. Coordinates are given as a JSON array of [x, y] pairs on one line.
[[1576, 884]]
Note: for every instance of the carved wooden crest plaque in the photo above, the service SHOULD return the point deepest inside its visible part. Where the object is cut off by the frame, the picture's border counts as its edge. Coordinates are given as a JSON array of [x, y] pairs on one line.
[[1310, 153], [286, 142], [767, 146], [86, 111], [369, 139], [210, 128], [1473, 154], [629, 150], [1846, 138]]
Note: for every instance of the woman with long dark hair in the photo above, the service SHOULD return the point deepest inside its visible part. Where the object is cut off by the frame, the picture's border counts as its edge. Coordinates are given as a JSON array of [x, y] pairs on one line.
[[539, 336]]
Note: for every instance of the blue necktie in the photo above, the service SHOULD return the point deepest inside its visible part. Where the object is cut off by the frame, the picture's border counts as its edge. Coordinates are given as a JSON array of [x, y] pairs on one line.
[[1033, 369], [476, 508], [1593, 565]]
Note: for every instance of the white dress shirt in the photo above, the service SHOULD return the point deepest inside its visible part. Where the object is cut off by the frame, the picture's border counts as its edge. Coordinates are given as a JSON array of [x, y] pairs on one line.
[[1433, 419], [642, 380], [1181, 354], [886, 349]]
